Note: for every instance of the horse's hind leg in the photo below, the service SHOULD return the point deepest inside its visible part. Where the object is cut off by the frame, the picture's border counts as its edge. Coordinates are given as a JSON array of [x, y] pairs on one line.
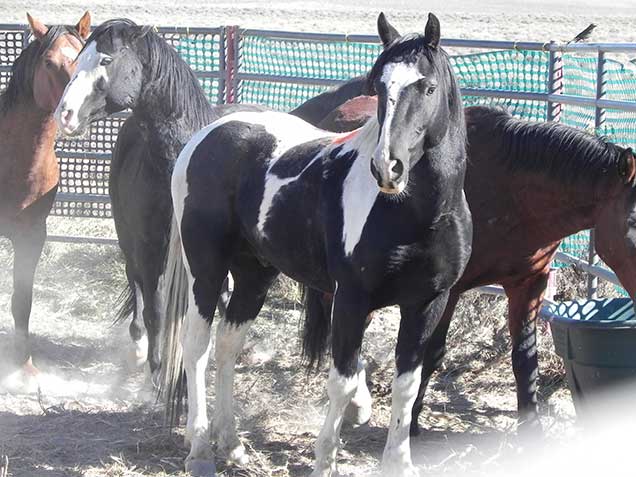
[[433, 358], [27, 248], [209, 254], [153, 317], [251, 282], [524, 304], [416, 328], [136, 329]]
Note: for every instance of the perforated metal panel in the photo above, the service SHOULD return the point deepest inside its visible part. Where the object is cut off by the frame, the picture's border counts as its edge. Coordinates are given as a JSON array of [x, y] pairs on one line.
[[12, 42]]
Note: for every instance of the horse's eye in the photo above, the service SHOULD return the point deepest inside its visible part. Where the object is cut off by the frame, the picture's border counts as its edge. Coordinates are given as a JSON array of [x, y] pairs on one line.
[[48, 63], [105, 61], [430, 90]]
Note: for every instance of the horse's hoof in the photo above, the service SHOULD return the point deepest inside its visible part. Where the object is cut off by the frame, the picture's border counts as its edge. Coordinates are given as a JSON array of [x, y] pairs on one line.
[[530, 429], [200, 468], [24, 380], [403, 471], [238, 456], [139, 353]]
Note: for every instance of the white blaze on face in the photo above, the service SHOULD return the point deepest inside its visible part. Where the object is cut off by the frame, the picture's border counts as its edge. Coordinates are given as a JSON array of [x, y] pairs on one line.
[[82, 84], [70, 53], [395, 77]]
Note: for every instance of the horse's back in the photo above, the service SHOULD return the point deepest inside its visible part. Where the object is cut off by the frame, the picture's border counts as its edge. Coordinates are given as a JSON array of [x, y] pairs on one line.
[[254, 172]]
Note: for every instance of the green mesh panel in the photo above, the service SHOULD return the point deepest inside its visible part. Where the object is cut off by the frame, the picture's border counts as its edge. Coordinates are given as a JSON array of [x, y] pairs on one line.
[[298, 59], [306, 59], [277, 95], [504, 70], [202, 52]]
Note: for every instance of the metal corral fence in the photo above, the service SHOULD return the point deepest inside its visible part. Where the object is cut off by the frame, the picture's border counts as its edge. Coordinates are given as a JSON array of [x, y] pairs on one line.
[[590, 86]]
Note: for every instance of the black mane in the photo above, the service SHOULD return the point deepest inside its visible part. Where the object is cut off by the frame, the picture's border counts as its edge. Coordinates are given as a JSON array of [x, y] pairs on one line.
[[561, 151], [171, 83], [21, 82]]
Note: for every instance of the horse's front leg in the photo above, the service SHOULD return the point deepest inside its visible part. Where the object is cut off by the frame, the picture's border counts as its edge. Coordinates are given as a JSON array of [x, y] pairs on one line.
[[416, 327], [433, 358], [27, 248], [524, 304], [348, 315]]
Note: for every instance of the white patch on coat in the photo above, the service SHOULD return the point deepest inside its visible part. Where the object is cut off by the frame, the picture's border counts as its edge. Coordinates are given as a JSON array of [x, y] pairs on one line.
[[359, 189], [290, 132], [82, 84], [396, 77], [396, 459]]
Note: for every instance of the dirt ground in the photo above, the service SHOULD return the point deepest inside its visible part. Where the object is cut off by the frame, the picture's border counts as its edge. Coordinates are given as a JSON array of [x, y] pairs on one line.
[[95, 416]]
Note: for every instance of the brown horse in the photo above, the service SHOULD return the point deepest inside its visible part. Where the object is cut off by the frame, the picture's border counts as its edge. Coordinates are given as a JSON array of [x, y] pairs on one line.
[[29, 171], [529, 185]]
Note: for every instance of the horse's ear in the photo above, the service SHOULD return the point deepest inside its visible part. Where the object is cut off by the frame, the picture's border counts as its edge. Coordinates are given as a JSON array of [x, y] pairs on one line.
[[38, 28], [627, 166], [142, 31], [388, 34], [83, 26], [432, 31]]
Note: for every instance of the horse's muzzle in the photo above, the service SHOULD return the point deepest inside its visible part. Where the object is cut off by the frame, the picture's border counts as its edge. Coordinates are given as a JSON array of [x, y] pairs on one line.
[[393, 183]]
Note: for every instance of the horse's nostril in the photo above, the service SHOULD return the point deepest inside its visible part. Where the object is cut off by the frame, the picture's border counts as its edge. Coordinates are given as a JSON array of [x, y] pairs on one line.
[[67, 115], [397, 168]]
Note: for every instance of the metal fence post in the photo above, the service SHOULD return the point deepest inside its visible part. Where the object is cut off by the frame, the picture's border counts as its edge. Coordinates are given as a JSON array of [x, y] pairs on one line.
[[230, 63], [222, 67], [599, 119], [555, 83]]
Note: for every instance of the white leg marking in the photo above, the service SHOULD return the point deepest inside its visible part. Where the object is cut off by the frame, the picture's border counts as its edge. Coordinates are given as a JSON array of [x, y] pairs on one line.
[[195, 340], [141, 346], [396, 459], [340, 390], [358, 411], [229, 342]]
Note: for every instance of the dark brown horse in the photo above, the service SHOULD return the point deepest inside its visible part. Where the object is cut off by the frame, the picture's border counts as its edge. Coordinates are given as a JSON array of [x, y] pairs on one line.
[[530, 185], [28, 167]]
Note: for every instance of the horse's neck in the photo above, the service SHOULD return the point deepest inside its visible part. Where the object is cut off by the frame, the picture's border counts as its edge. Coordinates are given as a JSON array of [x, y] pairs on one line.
[[28, 130], [28, 166], [165, 132]]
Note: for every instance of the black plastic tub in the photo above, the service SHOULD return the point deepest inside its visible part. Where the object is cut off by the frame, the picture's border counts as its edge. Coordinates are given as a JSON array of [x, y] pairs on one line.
[[597, 341]]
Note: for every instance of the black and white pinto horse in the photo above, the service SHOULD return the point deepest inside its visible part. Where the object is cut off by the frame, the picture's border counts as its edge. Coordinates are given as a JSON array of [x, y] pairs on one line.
[[377, 217], [124, 65]]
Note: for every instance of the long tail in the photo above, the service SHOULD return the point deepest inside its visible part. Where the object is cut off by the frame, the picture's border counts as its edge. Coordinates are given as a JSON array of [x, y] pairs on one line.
[[317, 326], [172, 378], [126, 304]]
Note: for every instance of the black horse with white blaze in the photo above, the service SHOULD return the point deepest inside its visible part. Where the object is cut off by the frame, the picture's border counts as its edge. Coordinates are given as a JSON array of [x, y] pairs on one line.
[[124, 65], [377, 217]]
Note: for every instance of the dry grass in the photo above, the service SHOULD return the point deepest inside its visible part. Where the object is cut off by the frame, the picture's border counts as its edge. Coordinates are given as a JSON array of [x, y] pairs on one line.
[[96, 418]]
